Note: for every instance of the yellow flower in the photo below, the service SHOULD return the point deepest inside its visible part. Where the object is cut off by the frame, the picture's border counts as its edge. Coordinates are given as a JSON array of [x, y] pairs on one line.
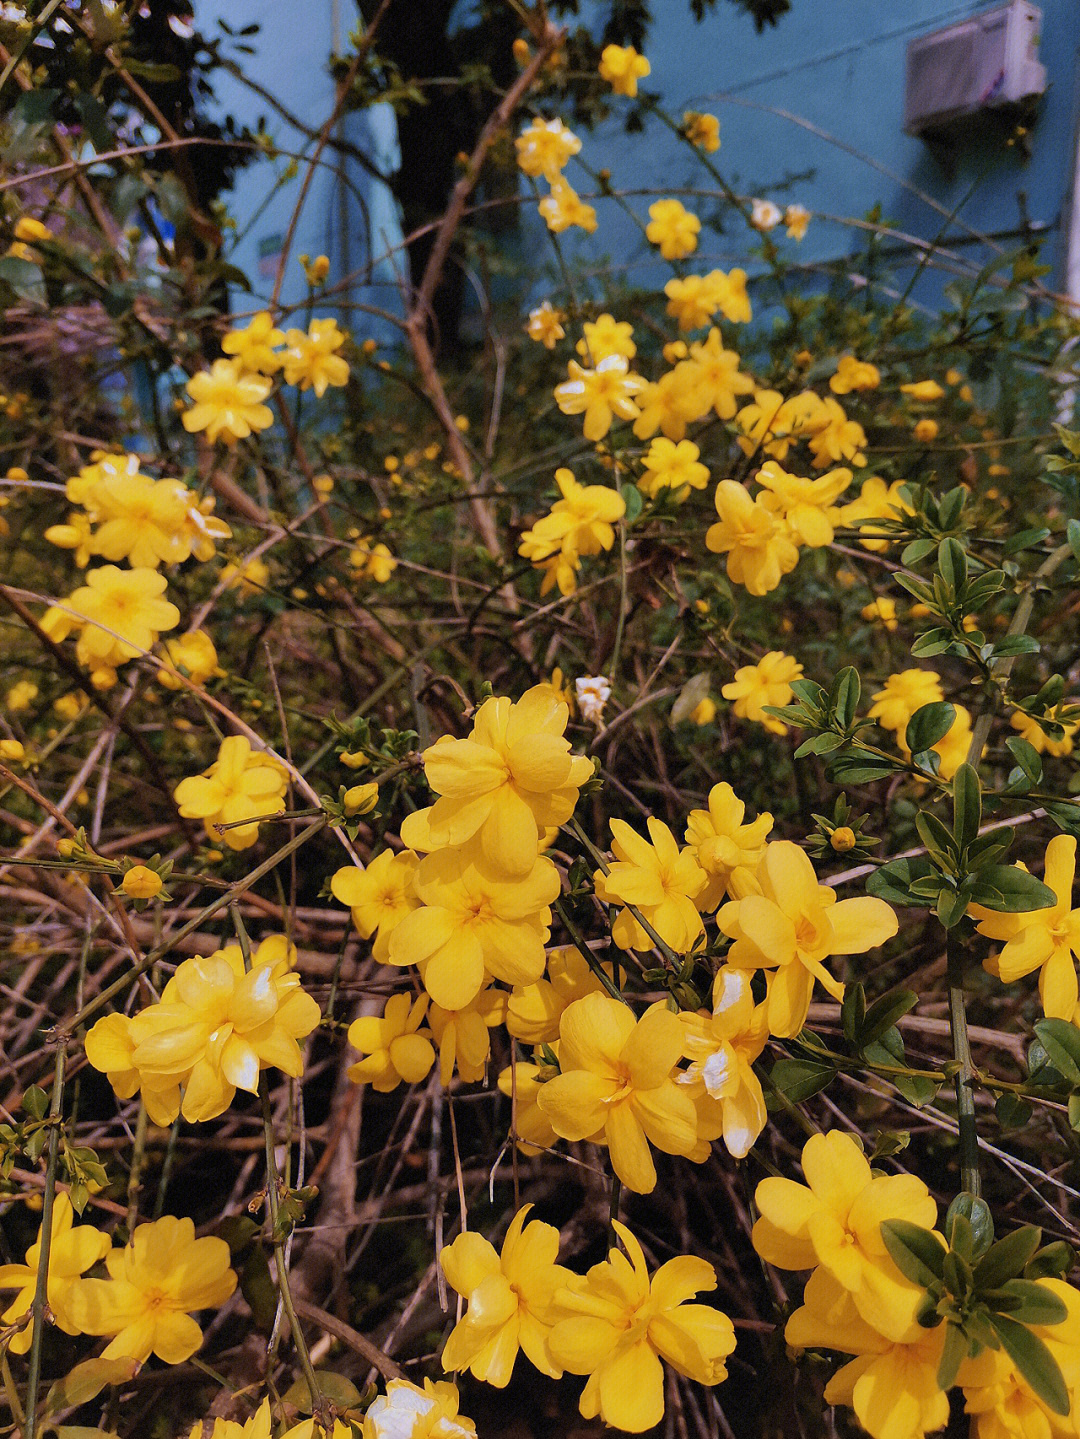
[[1031, 730], [673, 466], [806, 505], [702, 130], [12, 750], [668, 406], [310, 360], [617, 1086], [406, 1411], [194, 653], [259, 1426], [508, 1297], [891, 1385], [881, 611], [759, 546], [903, 694], [545, 325], [923, 390], [925, 431], [1001, 1402], [475, 921], [251, 578], [620, 1324], [74, 1248], [534, 1010], [792, 925], [141, 883], [373, 561], [216, 1027], [395, 1048], [380, 896], [694, 299], [704, 712], [521, 1083], [835, 438], [228, 404], [876, 501], [723, 845], [772, 424], [241, 784], [564, 208], [713, 374], [361, 798], [544, 147], [606, 336], [559, 689], [512, 778], [20, 696], [673, 229], [834, 1220], [255, 346], [766, 683], [462, 1035], [121, 614], [852, 374], [155, 1284], [659, 880], [1044, 939], [722, 1047], [796, 221], [622, 67], [602, 394]]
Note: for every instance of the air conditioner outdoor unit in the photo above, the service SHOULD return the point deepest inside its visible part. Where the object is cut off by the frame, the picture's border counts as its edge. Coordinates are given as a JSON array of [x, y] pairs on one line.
[[980, 64]]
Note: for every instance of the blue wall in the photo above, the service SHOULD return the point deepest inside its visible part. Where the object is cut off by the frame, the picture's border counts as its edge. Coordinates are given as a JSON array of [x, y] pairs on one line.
[[346, 216], [838, 65]]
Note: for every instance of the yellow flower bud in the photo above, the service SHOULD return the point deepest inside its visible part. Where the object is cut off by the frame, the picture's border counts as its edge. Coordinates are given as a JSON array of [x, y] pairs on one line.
[[320, 268], [65, 848], [842, 839], [141, 882], [926, 430], [704, 712], [356, 759], [361, 799], [12, 749]]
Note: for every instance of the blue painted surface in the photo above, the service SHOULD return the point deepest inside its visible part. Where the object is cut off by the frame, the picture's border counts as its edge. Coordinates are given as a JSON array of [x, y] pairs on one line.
[[346, 215], [835, 66], [838, 67]]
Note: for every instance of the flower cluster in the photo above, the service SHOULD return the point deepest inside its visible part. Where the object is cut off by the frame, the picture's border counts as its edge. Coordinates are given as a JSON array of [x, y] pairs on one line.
[[580, 523], [219, 1023], [616, 1323]]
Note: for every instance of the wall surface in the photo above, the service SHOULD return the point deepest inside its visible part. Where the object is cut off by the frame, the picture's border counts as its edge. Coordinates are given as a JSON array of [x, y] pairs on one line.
[[346, 215], [812, 111]]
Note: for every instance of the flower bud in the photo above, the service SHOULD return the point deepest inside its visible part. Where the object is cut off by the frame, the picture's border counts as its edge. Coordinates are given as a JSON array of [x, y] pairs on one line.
[[141, 882], [361, 799], [842, 839]]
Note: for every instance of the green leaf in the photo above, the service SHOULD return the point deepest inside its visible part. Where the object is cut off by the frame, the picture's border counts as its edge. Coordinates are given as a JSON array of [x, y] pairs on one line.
[[917, 550], [634, 501], [35, 1101], [86, 1381], [932, 642], [819, 744], [1016, 645], [1026, 756], [1034, 1361], [1028, 1302], [23, 276], [1072, 534], [1061, 1040], [952, 563], [1021, 892], [951, 907], [844, 695], [35, 107], [341, 1392], [1053, 1261], [1012, 1111], [893, 881], [918, 1253], [937, 839], [929, 724], [976, 1213], [884, 1013], [1023, 540], [967, 805], [953, 1353], [853, 1012], [1008, 1257], [799, 1079]]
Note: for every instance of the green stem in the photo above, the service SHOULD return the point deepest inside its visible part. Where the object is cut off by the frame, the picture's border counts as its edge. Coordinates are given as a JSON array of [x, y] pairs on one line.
[[41, 1288], [970, 1179], [278, 1242]]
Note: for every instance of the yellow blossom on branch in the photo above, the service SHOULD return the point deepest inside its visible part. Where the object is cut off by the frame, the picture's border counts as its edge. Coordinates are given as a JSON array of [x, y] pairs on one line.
[[603, 394], [241, 784], [227, 403], [766, 683], [74, 1248], [673, 229], [310, 360], [759, 547], [622, 67], [255, 347], [659, 880]]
